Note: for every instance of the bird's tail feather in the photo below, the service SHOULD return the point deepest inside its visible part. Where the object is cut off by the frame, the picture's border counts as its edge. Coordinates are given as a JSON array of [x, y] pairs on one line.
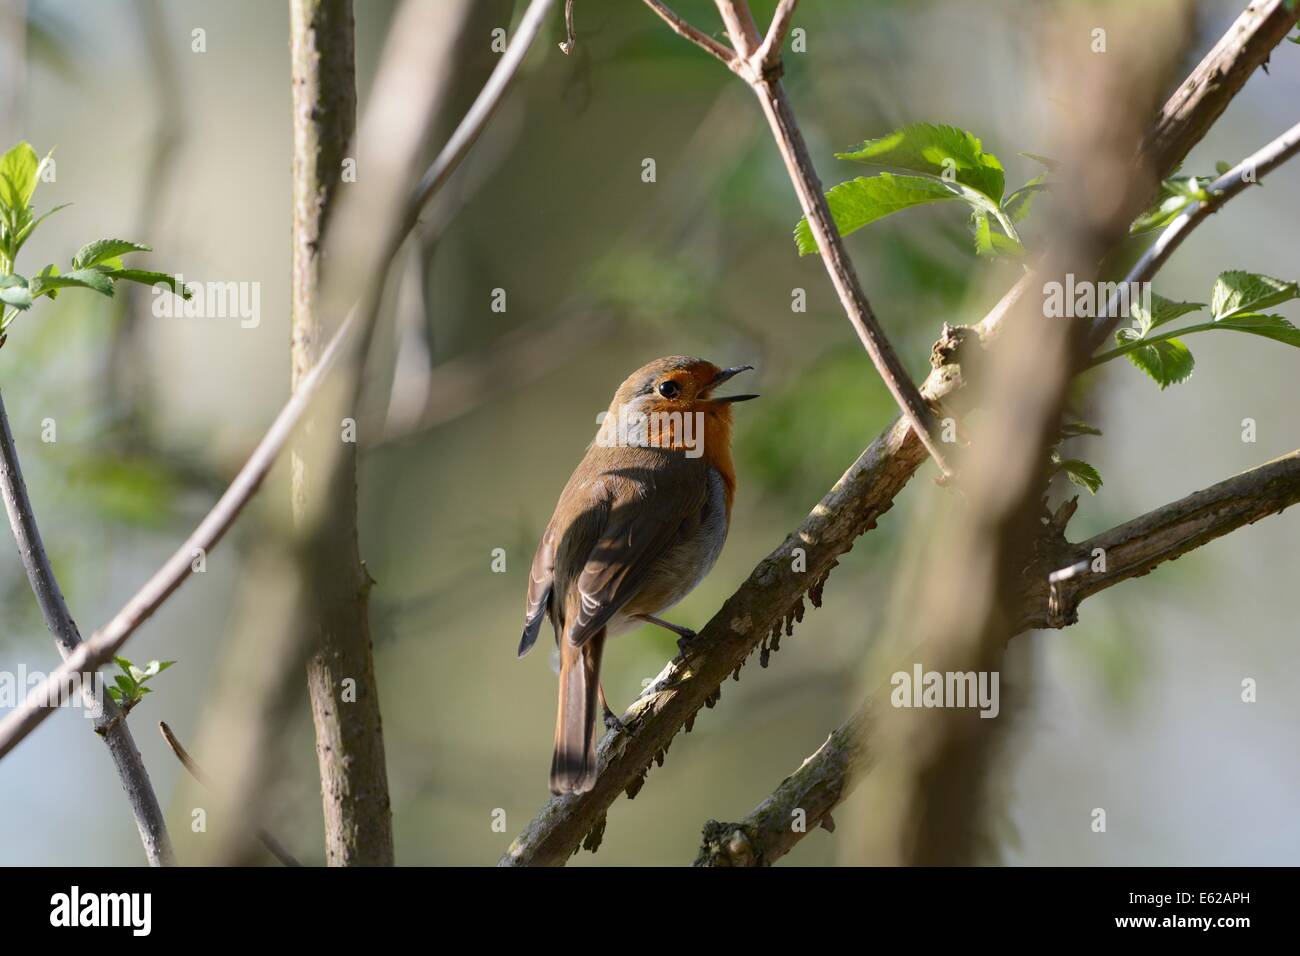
[[573, 767]]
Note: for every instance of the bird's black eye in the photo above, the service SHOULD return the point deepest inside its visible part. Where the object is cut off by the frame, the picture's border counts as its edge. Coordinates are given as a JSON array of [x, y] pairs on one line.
[[669, 389]]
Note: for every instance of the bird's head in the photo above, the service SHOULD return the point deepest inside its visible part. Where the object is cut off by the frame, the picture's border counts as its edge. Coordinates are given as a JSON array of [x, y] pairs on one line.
[[673, 403]]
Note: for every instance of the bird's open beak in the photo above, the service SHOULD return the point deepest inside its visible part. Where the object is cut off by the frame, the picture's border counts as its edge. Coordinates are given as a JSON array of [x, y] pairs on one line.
[[725, 375]]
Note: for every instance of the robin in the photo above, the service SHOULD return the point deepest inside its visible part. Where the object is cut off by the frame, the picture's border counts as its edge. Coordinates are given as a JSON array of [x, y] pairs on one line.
[[638, 526]]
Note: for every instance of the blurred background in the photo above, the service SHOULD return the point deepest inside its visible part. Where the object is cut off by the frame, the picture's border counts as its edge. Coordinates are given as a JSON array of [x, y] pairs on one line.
[[1136, 709]]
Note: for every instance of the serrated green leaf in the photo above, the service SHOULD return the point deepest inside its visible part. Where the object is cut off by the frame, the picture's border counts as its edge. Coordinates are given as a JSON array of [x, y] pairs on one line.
[[98, 251], [861, 201], [1082, 474], [116, 694], [1162, 311], [125, 684], [1238, 293], [1269, 326], [18, 169], [1167, 362], [79, 278], [939, 151], [123, 663], [146, 277]]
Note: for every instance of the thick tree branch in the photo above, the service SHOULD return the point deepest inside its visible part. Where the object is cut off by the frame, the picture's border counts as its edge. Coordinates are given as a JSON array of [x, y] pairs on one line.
[[110, 724], [105, 642], [771, 599], [1200, 99], [333, 619], [1132, 549]]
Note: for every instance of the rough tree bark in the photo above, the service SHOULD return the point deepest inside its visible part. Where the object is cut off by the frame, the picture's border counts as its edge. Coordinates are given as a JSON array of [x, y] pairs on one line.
[[336, 586]]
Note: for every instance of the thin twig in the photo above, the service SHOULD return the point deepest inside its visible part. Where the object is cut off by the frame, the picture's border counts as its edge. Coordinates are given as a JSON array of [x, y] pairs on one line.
[[764, 79], [105, 642], [570, 38], [826, 778], [1246, 173], [58, 619], [769, 54], [274, 846], [701, 40]]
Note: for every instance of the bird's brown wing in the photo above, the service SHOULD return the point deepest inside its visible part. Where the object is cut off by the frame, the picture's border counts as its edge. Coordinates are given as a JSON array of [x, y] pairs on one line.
[[541, 578], [637, 519]]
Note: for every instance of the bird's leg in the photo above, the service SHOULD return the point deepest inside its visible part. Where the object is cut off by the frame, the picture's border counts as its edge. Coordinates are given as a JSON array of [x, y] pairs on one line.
[[611, 719], [684, 634]]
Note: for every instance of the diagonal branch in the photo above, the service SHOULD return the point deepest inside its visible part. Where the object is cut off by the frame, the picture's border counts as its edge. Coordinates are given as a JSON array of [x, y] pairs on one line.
[[105, 642], [1246, 173], [268, 840], [771, 599], [701, 40], [761, 68], [1200, 99], [110, 723], [1132, 549]]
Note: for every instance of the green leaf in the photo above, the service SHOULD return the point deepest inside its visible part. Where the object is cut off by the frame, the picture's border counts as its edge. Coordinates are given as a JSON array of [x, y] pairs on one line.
[[1237, 293], [861, 201], [1176, 194], [18, 169], [79, 278], [1162, 310], [1082, 474], [125, 684], [1167, 362], [1269, 326], [943, 151], [116, 694], [156, 667], [1075, 429], [123, 663], [137, 674], [1019, 202], [146, 277], [991, 243], [96, 252], [1051, 165], [28, 229]]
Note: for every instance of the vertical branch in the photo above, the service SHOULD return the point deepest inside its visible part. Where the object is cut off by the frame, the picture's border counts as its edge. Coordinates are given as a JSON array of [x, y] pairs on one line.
[[111, 723], [335, 609]]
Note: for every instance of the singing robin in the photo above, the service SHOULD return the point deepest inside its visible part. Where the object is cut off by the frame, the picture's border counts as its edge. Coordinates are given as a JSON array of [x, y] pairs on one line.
[[638, 526]]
